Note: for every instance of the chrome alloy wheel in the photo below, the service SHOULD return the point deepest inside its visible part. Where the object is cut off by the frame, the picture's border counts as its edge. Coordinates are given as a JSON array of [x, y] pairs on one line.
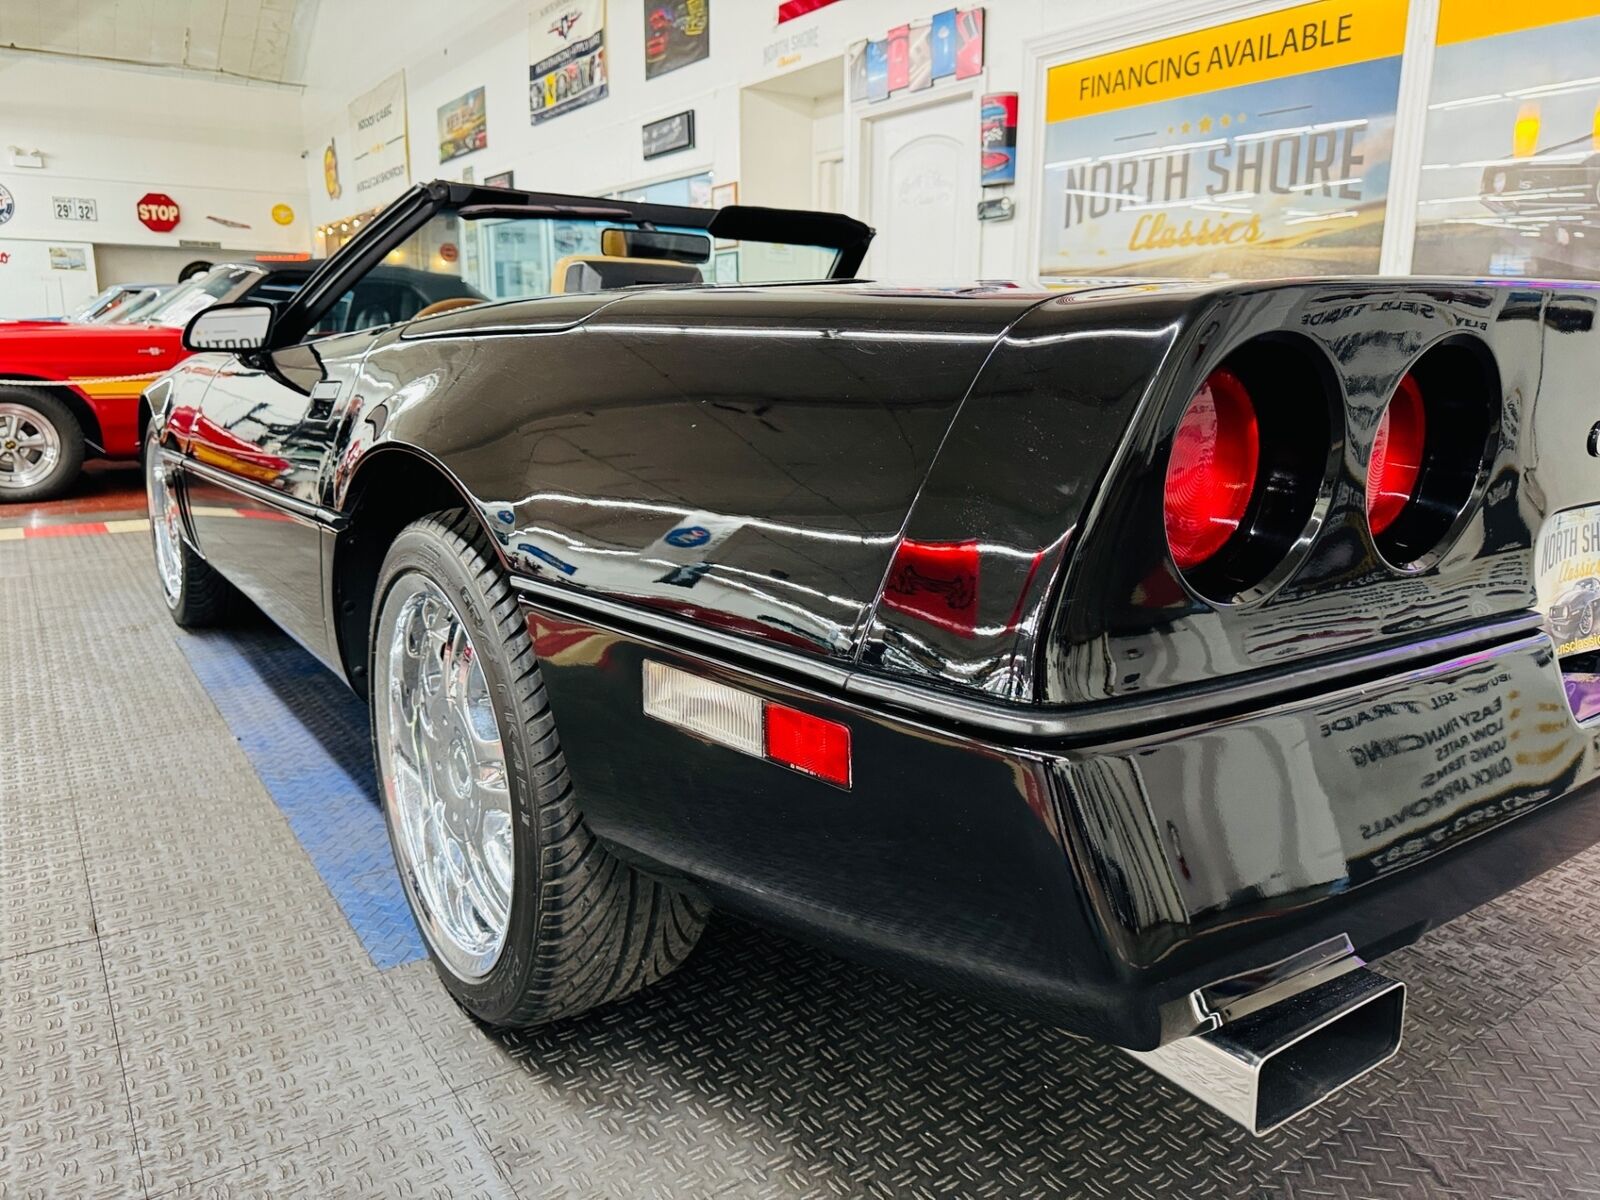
[[444, 776], [166, 524], [30, 447]]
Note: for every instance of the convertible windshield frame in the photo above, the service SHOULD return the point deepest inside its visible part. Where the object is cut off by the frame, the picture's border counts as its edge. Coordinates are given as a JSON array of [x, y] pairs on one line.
[[845, 236]]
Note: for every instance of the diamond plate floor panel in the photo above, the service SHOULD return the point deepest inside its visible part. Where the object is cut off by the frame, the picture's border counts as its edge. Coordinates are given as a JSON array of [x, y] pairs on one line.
[[188, 1008]]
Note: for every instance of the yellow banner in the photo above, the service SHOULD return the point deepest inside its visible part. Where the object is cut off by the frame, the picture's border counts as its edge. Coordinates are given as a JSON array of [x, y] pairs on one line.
[[1468, 20], [1295, 41]]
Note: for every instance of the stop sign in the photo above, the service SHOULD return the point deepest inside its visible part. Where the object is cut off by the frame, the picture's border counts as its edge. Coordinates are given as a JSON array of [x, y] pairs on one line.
[[158, 212]]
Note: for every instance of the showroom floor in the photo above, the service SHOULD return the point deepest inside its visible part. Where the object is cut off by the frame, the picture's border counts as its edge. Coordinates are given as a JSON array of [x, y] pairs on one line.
[[209, 987]]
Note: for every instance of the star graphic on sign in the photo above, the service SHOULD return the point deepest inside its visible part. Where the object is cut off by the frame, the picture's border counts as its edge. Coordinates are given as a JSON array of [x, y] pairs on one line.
[[1171, 130], [1205, 124], [1225, 121], [1185, 127]]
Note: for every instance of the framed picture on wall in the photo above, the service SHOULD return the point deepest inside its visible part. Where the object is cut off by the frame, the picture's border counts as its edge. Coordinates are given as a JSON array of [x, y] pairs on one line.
[[501, 179], [724, 194]]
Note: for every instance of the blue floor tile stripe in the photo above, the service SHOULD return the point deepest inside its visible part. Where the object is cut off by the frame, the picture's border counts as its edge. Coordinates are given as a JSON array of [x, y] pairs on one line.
[[306, 736]]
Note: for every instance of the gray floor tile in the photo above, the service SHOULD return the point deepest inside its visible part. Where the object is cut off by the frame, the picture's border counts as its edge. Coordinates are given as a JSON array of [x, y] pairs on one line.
[[64, 1123], [429, 1152], [215, 1085]]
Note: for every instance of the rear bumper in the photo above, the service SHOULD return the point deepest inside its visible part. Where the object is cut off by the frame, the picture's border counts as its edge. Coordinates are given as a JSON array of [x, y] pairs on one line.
[[1094, 887]]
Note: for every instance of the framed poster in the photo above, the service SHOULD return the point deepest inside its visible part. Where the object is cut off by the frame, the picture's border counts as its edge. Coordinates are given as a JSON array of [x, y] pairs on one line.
[[1256, 148], [500, 179], [463, 126], [381, 163], [676, 33], [567, 53], [668, 135], [1511, 154]]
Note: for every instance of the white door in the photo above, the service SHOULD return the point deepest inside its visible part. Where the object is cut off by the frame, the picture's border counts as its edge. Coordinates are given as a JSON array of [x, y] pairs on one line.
[[922, 193]]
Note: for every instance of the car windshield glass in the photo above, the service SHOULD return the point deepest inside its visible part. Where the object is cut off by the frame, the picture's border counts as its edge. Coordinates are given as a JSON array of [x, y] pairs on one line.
[[134, 309], [183, 301], [95, 305], [507, 258]]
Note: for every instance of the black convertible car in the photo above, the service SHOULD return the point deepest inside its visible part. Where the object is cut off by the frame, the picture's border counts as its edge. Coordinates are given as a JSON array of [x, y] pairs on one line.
[[1145, 657]]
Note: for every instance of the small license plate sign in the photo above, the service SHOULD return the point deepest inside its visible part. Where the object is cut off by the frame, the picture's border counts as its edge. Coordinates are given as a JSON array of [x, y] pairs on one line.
[[74, 208]]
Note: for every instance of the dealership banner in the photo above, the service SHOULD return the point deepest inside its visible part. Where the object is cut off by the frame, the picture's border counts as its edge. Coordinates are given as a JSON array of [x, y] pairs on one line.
[[1256, 148], [567, 49], [676, 33], [381, 162], [463, 125], [1511, 156]]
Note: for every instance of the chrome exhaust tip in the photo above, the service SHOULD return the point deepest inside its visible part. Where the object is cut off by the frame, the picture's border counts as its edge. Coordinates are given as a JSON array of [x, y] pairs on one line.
[[1275, 1062]]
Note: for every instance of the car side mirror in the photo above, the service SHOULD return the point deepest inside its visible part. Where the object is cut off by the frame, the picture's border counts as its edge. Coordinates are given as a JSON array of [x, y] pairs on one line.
[[237, 327]]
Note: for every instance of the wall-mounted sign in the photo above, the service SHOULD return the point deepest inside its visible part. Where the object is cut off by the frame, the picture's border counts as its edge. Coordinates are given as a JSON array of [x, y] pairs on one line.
[[378, 127], [669, 135], [8, 205], [199, 244], [69, 258], [791, 48], [567, 49], [500, 179], [282, 214], [998, 138], [74, 208], [912, 57], [1001, 208], [330, 171], [463, 125], [676, 33], [1511, 158], [788, 10], [1256, 148], [158, 212]]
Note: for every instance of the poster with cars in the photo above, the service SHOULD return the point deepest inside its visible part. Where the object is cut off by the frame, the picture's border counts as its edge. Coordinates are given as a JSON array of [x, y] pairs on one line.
[[1256, 148], [381, 161], [998, 137], [567, 49], [676, 33], [1511, 155], [463, 125], [1567, 579]]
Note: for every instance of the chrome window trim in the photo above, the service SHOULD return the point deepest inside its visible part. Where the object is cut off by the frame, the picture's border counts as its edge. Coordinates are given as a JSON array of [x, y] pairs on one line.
[[259, 492]]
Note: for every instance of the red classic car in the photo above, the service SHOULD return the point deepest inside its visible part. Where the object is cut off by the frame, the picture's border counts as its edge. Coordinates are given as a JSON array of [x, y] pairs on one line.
[[71, 391]]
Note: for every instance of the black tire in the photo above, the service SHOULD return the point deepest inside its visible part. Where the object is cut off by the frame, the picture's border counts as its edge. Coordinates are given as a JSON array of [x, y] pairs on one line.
[[49, 411], [202, 597], [584, 928]]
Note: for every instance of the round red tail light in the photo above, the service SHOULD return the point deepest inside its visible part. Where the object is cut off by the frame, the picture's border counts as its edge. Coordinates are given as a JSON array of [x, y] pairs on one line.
[[1211, 474], [1396, 460]]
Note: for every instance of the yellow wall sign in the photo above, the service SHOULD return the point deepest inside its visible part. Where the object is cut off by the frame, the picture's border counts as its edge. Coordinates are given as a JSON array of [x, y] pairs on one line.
[[283, 214], [1309, 37], [1468, 20]]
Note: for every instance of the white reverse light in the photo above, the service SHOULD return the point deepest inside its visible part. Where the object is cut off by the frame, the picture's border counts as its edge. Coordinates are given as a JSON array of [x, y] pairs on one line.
[[712, 710]]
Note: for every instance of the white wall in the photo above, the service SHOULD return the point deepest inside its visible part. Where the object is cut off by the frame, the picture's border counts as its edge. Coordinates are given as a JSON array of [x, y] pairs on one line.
[[597, 149], [113, 134]]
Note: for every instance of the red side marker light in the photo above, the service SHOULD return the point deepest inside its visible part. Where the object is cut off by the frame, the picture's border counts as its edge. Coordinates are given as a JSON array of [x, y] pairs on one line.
[[1396, 460], [808, 744], [1211, 473]]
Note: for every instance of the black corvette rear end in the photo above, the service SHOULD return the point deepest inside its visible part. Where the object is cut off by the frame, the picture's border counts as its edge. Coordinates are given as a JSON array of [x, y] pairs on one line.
[[1145, 657], [1090, 782]]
